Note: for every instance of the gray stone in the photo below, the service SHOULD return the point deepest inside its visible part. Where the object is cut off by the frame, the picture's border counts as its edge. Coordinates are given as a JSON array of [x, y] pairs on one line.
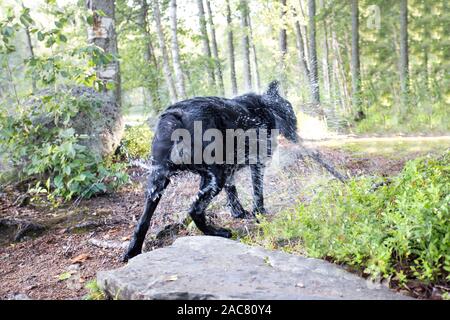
[[19, 296], [203, 267], [103, 127]]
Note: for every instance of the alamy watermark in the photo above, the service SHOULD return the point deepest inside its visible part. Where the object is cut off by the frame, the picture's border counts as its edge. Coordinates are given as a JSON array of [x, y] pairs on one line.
[[213, 146]]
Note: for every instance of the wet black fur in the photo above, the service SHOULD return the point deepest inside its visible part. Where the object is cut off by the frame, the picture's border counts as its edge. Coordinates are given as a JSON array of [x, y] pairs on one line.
[[249, 111]]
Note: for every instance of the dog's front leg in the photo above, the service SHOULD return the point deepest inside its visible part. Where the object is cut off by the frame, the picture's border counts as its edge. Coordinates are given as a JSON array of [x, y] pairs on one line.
[[158, 181], [257, 171]]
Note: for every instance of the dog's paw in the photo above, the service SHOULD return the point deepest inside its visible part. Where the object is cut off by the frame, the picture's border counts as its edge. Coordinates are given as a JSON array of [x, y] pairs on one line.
[[128, 255], [242, 214], [222, 232], [259, 211], [125, 258]]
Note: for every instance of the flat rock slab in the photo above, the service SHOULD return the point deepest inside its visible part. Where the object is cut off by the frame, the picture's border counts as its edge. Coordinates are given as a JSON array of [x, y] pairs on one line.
[[203, 267]]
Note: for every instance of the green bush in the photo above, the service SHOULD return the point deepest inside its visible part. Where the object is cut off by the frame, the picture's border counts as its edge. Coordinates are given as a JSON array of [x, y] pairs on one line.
[[137, 141], [50, 153], [399, 230]]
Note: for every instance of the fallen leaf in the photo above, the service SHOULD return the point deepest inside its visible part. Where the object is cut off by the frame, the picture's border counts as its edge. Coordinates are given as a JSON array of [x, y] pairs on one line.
[[64, 276], [126, 238], [80, 258]]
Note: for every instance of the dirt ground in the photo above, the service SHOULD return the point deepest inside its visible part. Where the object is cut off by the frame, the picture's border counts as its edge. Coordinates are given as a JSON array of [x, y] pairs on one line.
[[90, 235]]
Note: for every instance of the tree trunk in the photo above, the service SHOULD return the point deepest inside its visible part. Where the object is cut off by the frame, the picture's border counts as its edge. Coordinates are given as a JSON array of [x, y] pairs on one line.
[[231, 50], [165, 56], [30, 50], [301, 53], [355, 64], [149, 55], [176, 51], [102, 33], [341, 72], [255, 58], [283, 45], [245, 45], [215, 49], [404, 57], [325, 56], [314, 78], [304, 30], [205, 40]]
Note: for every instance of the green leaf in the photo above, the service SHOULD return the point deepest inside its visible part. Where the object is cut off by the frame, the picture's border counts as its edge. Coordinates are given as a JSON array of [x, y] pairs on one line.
[[62, 38], [64, 276], [8, 31], [40, 36]]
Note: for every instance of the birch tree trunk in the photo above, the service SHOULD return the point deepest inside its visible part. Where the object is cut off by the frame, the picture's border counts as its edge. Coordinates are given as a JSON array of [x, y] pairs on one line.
[[149, 56], [313, 74], [304, 30], [325, 56], [165, 57], [215, 49], [301, 53], [340, 72], [404, 55], [230, 41], [245, 45], [205, 40], [179, 76], [104, 135], [355, 64], [30, 49], [255, 57], [102, 33], [283, 45]]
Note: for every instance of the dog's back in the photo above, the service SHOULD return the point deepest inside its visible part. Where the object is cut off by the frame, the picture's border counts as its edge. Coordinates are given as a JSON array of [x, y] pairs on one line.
[[241, 113]]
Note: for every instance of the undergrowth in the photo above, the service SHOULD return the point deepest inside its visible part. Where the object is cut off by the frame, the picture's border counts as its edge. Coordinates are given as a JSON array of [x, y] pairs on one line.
[[399, 230]]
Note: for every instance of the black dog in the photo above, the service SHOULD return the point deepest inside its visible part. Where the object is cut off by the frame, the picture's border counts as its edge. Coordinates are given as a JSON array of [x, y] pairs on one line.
[[251, 111]]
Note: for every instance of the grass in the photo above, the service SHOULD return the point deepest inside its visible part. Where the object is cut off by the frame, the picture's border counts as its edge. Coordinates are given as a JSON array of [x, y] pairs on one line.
[[94, 291]]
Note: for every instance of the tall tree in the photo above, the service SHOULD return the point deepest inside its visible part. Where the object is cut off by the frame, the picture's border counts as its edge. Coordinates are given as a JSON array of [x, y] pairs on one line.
[[283, 44], [205, 41], [103, 34], [325, 52], [30, 48], [404, 55], [301, 51], [176, 51], [243, 5], [304, 30], [165, 56], [230, 41], [149, 55], [255, 57], [215, 49], [313, 74], [355, 63]]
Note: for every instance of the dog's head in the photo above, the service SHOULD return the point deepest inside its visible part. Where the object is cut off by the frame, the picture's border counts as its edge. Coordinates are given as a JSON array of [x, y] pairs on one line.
[[284, 113]]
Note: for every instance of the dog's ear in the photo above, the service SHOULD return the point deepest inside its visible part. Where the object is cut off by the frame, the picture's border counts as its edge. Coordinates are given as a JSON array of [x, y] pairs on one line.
[[272, 91]]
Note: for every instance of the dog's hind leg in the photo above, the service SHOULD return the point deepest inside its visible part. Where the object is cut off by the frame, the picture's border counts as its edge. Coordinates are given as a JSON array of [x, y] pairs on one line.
[[156, 184], [237, 211], [257, 171], [210, 186]]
